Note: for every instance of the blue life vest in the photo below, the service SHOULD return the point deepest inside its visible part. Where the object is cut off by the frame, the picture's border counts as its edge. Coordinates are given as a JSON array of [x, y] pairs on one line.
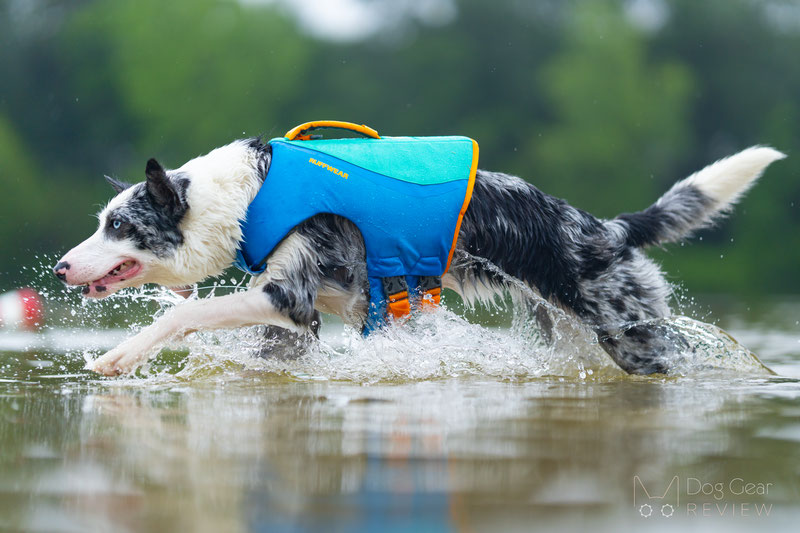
[[407, 196]]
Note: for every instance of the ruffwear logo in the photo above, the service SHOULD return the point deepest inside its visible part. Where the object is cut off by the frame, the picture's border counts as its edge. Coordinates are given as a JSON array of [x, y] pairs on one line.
[[327, 166], [663, 503]]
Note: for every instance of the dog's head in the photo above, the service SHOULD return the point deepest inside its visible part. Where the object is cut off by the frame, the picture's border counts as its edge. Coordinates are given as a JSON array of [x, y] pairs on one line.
[[139, 229], [176, 228]]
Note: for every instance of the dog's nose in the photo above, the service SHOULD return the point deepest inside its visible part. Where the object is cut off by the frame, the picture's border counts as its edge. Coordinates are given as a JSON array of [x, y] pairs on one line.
[[60, 270]]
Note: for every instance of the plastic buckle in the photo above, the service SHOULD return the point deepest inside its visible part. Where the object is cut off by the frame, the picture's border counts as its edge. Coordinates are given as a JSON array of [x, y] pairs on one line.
[[430, 291], [396, 290]]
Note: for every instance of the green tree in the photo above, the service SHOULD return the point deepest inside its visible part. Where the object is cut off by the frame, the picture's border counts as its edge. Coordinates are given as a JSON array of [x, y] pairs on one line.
[[747, 80], [192, 74], [618, 118], [23, 194], [572, 96]]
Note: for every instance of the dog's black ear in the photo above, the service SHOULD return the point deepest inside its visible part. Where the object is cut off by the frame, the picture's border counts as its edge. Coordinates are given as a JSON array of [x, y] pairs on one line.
[[117, 185], [159, 186]]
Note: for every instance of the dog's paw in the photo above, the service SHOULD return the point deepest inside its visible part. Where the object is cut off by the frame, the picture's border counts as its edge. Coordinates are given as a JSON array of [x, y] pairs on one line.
[[116, 362], [107, 363]]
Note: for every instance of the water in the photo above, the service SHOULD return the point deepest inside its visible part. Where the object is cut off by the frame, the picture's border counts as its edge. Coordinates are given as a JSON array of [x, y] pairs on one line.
[[439, 425]]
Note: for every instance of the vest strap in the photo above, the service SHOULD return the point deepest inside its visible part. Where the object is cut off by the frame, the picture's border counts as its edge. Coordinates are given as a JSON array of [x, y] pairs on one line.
[[430, 288], [395, 289]]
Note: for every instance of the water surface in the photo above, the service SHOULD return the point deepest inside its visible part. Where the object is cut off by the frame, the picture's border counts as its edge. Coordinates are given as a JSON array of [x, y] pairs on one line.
[[459, 427]]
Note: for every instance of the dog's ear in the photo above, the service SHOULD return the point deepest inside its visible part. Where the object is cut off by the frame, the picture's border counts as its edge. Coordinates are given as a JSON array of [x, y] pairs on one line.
[[117, 185], [160, 188]]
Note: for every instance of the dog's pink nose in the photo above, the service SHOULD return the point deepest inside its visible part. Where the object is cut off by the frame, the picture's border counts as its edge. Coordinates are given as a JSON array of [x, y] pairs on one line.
[[60, 270]]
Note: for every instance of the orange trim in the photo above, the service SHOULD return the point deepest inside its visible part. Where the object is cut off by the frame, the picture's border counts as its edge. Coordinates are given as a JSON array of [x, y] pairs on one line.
[[299, 132], [473, 169]]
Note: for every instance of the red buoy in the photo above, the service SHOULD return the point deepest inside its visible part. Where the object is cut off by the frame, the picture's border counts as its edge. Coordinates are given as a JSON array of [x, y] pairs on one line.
[[21, 310]]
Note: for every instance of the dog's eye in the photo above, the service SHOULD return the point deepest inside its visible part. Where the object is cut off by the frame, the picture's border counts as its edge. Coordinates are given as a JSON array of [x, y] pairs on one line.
[[116, 224]]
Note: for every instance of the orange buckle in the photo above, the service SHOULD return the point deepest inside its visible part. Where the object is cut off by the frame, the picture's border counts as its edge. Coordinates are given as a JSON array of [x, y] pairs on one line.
[[431, 298], [398, 304]]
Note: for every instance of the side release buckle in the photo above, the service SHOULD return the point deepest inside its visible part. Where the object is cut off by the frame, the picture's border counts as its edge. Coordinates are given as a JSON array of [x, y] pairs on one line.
[[396, 290]]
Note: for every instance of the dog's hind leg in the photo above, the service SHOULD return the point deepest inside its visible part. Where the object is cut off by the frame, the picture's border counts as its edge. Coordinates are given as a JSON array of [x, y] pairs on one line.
[[632, 290], [643, 349]]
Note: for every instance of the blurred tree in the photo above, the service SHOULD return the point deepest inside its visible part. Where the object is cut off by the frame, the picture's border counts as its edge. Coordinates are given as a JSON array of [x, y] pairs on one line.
[[193, 73], [747, 81], [22, 193], [619, 119], [584, 99], [475, 76]]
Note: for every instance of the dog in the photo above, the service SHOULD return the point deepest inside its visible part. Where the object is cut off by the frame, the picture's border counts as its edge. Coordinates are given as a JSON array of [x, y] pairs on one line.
[[181, 226]]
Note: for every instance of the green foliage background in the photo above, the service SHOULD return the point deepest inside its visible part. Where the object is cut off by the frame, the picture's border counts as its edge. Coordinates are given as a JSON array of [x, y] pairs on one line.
[[574, 96]]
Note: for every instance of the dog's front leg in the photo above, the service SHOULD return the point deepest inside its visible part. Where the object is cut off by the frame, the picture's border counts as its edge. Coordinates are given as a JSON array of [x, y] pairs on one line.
[[231, 311]]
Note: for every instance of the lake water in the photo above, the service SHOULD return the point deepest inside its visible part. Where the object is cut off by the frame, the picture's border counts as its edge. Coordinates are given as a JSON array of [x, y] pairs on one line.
[[441, 426]]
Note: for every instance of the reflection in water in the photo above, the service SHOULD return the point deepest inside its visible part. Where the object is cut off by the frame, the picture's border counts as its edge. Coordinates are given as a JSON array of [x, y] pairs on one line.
[[260, 452], [442, 425]]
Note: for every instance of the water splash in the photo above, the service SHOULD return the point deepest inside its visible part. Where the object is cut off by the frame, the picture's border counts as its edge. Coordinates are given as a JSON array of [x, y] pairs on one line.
[[541, 341]]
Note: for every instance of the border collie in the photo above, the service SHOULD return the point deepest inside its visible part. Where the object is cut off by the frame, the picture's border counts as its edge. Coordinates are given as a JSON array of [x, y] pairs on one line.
[[181, 226]]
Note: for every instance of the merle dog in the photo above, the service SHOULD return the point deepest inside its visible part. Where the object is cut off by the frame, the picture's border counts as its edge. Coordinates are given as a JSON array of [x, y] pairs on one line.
[[181, 226]]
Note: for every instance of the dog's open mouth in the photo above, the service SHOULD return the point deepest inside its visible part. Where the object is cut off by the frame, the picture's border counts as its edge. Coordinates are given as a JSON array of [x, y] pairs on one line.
[[123, 271]]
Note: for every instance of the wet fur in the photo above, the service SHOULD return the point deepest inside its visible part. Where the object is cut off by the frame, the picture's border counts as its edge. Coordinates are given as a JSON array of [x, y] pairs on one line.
[[594, 269]]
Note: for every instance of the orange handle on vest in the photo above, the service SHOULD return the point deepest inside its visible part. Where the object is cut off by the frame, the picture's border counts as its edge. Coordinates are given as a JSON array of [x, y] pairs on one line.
[[300, 133]]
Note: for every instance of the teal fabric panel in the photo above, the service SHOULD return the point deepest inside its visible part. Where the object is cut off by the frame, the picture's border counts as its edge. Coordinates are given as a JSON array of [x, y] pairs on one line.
[[419, 160]]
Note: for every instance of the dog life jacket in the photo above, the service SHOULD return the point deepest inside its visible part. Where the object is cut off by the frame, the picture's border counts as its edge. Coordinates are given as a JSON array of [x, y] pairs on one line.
[[407, 196]]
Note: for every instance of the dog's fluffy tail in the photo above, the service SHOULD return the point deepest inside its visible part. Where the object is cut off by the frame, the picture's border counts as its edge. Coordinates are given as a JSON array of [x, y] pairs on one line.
[[698, 200]]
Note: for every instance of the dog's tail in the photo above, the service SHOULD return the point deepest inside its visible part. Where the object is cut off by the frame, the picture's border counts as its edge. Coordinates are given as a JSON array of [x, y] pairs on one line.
[[699, 200]]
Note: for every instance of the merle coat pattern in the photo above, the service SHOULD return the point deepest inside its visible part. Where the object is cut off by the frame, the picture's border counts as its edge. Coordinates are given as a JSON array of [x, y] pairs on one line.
[[180, 226]]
